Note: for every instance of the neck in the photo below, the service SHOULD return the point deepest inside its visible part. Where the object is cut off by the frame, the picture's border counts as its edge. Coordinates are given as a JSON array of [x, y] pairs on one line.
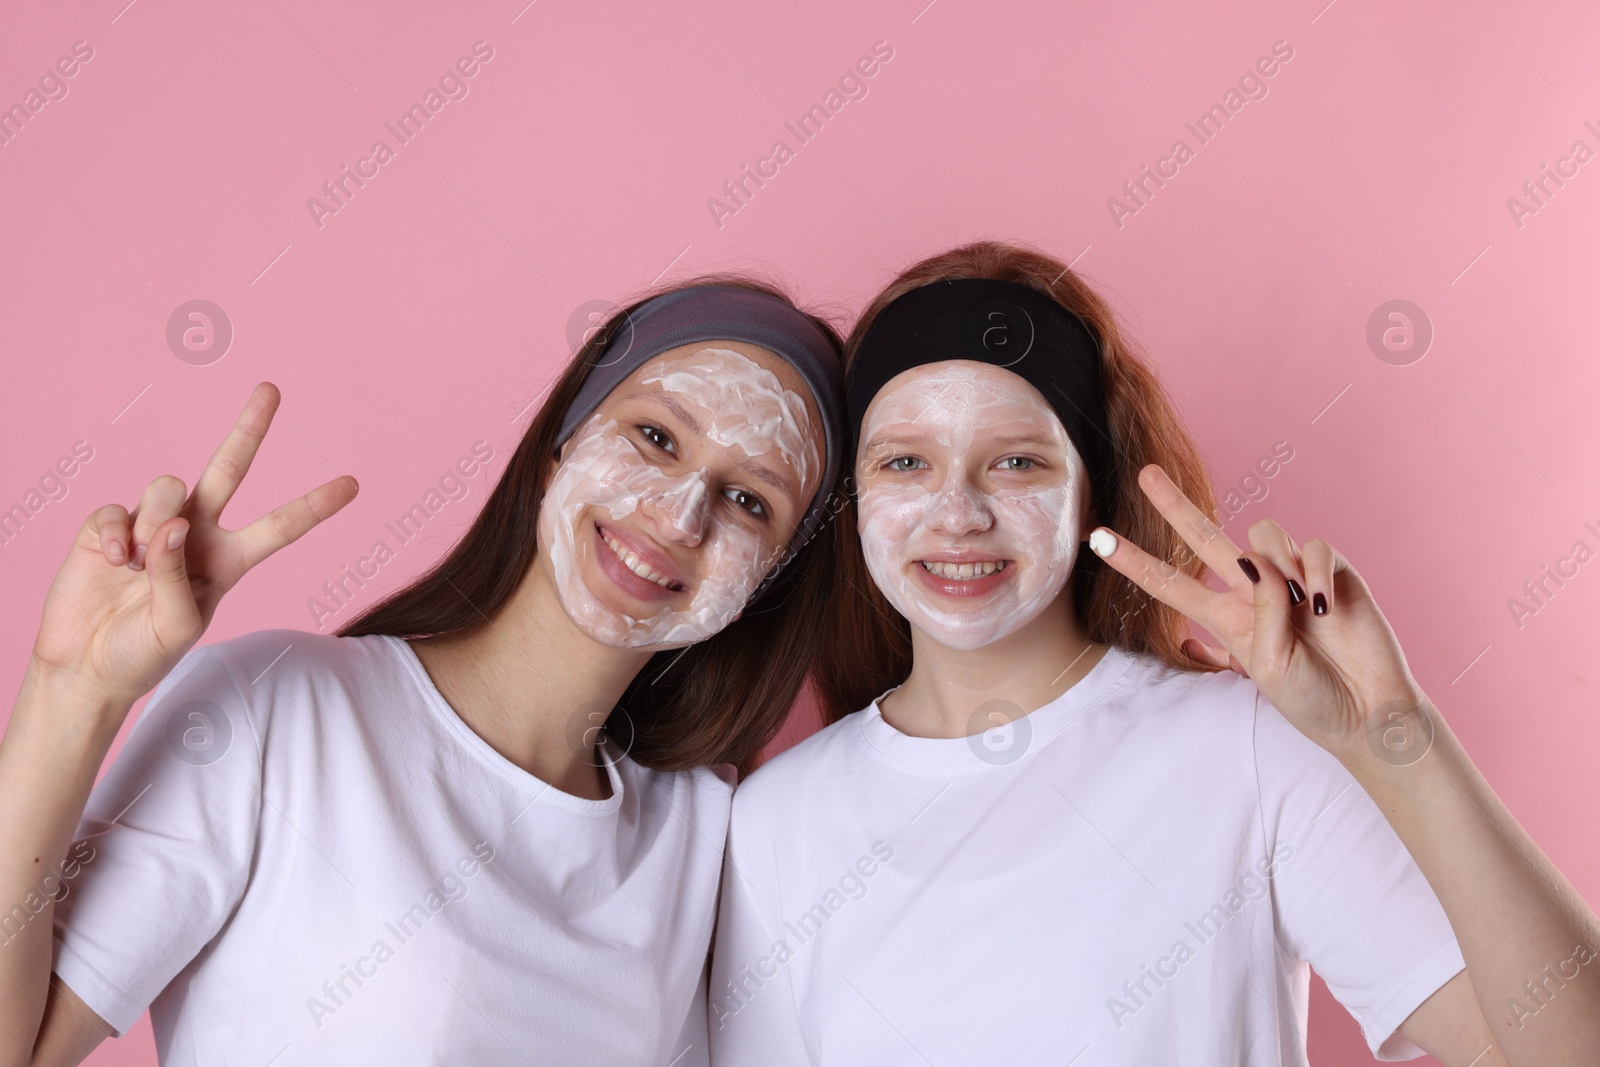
[[1028, 668], [535, 687]]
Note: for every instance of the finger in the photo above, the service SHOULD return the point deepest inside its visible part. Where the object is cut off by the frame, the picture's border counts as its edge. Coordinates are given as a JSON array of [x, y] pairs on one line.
[[233, 457], [109, 526], [1273, 638], [162, 499], [288, 523], [1355, 586], [1317, 561], [172, 602], [1273, 541], [1160, 579], [1204, 537]]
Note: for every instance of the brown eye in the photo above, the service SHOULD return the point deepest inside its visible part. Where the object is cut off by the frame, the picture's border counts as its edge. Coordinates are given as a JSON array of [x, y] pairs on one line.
[[743, 498], [657, 436]]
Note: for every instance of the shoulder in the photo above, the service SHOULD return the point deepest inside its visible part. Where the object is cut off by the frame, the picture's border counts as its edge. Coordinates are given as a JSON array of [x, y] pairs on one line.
[[771, 790], [268, 670], [1178, 700], [699, 797], [261, 655], [710, 785]]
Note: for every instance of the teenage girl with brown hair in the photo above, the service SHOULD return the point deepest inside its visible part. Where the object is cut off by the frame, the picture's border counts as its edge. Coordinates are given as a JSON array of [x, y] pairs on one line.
[[483, 824]]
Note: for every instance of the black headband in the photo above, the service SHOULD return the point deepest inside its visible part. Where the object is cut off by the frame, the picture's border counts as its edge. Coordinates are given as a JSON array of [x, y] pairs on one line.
[[1003, 324], [728, 313]]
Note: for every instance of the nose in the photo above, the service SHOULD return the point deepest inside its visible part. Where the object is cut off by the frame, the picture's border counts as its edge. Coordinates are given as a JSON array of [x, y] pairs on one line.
[[959, 509], [680, 509]]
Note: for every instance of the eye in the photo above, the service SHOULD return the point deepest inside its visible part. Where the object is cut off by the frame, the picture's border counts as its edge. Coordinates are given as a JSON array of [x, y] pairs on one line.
[[899, 463], [1010, 463], [656, 436], [743, 498]]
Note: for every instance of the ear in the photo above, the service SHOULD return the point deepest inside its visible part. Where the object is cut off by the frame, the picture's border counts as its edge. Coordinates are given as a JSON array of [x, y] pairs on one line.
[[1091, 521]]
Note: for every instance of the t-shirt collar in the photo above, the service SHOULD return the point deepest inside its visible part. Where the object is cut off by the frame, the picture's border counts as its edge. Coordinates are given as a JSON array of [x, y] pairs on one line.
[[1025, 737]]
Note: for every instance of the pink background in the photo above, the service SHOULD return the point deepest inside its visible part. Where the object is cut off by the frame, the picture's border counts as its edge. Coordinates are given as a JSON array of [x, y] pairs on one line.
[[432, 309]]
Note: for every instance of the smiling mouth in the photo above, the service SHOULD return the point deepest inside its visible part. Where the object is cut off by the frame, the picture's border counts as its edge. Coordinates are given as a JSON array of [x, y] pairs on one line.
[[637, 565], [963, 572]]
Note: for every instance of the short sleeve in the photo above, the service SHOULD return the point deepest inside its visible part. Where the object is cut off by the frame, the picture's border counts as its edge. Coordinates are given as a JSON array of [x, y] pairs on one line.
[[1349, 899], [752, 1017], [163, 850]]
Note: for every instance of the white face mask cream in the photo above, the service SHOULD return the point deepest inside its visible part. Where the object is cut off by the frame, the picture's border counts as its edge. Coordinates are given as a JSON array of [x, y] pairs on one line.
[[971, 500], [649, 552]]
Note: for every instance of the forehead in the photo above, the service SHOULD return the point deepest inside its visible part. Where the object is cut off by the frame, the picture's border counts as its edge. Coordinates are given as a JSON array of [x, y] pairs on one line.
[[708, 364], [958, 391]]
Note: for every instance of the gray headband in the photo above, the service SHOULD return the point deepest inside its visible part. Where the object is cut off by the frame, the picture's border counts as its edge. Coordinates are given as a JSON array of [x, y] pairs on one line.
[[727, 313]]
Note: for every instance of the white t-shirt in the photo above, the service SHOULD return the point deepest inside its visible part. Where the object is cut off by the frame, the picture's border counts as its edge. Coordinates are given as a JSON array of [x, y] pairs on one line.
[[1087, 885], [303, 856]]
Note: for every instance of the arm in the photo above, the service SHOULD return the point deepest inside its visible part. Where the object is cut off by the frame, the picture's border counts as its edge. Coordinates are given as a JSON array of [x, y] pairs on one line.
[[70, 1030], [1340, 677], [1531, 944], [52, 748], [1449, 1026], [133, 596]]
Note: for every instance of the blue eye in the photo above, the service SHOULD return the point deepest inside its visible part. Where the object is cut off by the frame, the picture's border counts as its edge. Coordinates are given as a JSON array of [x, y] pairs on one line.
[[657, 436], [895, 464]]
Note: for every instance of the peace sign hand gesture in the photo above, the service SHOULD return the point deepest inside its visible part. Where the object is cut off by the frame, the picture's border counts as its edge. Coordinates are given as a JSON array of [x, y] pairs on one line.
[[1340, 676], [138, 589]]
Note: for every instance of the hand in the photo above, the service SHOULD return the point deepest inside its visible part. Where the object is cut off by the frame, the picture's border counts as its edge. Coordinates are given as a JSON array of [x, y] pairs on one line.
[[1335, 676], [137, 590]]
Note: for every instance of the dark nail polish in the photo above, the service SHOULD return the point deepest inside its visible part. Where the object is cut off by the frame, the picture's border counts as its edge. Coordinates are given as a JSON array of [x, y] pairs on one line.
[[1249, 569], [1319, 604], [1296, 594]]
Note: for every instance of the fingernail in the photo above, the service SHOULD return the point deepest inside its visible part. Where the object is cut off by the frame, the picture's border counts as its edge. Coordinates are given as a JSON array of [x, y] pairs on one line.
[[1296, 594], [137, 562], [116, 553], [1319, 604], [175, 538], [1249, 569], [1103, 542]]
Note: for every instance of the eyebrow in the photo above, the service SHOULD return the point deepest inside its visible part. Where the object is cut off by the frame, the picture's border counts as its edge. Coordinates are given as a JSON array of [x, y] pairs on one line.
[[1024, 439], [914, 440], [757, 470]]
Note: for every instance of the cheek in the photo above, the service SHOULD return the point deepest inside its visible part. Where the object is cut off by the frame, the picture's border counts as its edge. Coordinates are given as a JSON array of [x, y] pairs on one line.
[[602, 470], [733, 561], [1044, 521], [890, 515]]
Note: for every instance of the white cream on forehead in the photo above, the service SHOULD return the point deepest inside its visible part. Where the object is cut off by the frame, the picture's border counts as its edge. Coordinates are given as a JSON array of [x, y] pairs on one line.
[[902, 522], [748, 409]]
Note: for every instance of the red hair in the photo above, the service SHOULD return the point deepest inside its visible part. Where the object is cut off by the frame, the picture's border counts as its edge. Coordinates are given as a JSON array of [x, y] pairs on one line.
[[868, 642]]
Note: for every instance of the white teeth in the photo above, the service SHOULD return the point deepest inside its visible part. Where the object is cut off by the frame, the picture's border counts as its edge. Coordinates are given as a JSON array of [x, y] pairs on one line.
[[963, 572], [634, 563]]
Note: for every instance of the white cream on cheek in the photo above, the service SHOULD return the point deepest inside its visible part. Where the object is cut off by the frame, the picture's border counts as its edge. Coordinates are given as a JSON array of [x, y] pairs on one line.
[[908, 515], [605, 469]]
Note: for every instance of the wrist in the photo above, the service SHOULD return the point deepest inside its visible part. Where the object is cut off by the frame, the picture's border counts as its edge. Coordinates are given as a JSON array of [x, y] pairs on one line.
[[1403, 749], [68, 699]]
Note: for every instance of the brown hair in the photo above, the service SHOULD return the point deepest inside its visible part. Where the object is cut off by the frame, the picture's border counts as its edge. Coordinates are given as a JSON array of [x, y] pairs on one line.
[[718, 701], [869, 643]]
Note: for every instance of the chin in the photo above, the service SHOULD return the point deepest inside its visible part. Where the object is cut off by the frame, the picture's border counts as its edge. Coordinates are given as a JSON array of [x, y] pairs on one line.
[[979, 630], [963, 642]]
